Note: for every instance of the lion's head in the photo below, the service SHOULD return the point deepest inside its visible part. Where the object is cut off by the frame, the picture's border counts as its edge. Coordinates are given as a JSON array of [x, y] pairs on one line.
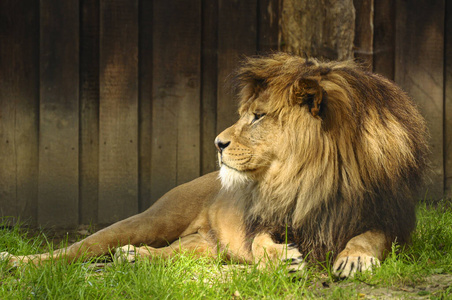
[[323, 144]]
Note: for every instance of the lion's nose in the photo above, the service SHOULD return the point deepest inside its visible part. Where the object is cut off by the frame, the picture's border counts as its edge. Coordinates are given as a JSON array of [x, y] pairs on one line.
[[221, 145]]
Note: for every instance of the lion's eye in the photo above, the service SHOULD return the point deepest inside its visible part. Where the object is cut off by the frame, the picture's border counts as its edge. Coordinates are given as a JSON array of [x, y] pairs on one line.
[[257, 116]]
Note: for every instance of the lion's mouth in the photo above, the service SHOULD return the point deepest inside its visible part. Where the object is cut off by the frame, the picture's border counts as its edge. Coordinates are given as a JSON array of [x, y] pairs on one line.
[[222, 164]]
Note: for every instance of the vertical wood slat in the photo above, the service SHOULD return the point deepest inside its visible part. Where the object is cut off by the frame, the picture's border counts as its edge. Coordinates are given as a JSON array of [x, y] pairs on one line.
[[364, 31], [209, 85], [268, 25], [118, 110], [145, 105], [58, 191], [237, 22], [448, 101], [419, 69], [89, 111], [384, 38], [176, 93], [19, 98]]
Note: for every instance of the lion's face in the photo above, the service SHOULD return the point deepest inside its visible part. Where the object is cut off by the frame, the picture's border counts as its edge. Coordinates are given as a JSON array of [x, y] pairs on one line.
[[247, 149]]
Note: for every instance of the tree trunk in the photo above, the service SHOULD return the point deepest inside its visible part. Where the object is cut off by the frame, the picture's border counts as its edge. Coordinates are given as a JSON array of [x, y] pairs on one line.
[[323, 29]]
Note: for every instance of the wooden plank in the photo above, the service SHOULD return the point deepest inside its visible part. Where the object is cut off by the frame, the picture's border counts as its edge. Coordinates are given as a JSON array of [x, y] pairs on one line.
[[89, 115], [145, 105], [384, 38], [209, 85], [268, 25], [448, 101], [419, 69], [118, 111], [176, 95], [237, 22], [364, 32], [19, 98], [59, 112]]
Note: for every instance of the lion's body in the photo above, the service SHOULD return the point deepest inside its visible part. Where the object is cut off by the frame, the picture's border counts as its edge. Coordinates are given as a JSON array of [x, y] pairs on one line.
[[324, 155]]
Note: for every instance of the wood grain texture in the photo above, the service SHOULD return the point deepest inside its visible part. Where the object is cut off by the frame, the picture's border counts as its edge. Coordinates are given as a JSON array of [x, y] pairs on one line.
[[176, 95], [89, 111], [145, 102], [322, 29], [364, 32], [268, 25], [59, 113], [237, 37], [19, 98], [118, 111], [419, 69], [384, 38], [209, 85], [448, 101]]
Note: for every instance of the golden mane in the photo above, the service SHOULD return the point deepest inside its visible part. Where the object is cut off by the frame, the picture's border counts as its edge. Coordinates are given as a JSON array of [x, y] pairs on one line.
[[354, 151]]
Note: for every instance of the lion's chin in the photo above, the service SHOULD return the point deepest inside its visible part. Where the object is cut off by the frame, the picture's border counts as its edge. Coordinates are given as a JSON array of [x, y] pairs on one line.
[[232, 179]]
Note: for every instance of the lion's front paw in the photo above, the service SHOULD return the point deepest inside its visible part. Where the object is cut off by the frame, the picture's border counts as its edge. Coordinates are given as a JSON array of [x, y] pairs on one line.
[[293, 258], [347, 266], [125, 253]]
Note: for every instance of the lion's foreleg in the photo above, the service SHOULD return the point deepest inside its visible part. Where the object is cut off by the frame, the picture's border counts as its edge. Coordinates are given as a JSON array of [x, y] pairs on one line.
[[361, 253]]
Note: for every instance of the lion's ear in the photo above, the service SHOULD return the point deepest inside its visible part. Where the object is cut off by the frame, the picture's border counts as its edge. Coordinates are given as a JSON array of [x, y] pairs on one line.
[[308, 91]]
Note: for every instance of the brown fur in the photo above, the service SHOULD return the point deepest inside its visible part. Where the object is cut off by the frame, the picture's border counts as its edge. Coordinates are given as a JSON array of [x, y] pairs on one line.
[[324, 154]]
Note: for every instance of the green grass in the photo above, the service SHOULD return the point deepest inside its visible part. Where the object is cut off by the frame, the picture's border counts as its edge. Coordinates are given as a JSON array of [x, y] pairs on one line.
[[423, 269]]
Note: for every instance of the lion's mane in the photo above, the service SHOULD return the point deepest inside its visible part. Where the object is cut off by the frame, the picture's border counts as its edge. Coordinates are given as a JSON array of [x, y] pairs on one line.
[[353, 150]]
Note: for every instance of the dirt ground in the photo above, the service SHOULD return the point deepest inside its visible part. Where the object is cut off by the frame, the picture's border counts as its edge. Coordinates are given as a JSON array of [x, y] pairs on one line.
[[432, 287]]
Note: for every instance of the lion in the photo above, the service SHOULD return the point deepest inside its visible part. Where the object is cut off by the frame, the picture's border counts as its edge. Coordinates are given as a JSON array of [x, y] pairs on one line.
[[325, 161]]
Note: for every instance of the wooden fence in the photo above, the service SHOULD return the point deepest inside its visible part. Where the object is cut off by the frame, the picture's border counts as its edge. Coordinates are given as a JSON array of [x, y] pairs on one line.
[[106, 105]]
